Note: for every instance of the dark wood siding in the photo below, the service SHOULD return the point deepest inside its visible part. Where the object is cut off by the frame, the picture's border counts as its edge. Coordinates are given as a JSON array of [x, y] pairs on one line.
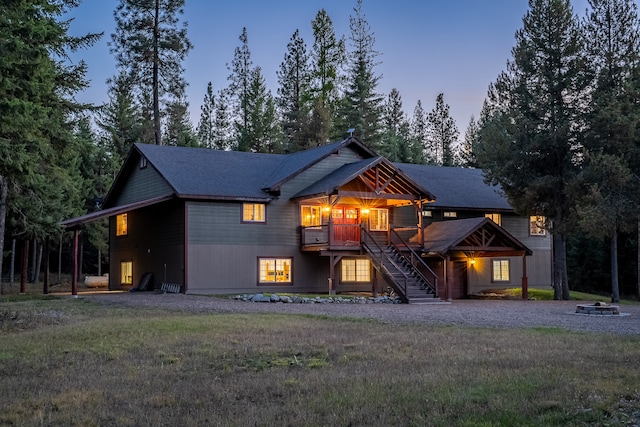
[[154, 243], [143, 184]]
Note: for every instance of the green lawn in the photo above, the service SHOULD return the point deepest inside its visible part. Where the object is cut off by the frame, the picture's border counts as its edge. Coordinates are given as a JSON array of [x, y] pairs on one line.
[[71, 362]]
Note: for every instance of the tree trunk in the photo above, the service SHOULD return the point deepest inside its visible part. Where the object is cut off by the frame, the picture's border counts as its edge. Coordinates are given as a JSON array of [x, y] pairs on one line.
[[560, 277], [32, 262], [45, 280], [615, 290], [156, 76], [25, 263], [99, 262], [638, 264], [81, 260], [38, 262], [12, 267], [60, 261], [4, 187]]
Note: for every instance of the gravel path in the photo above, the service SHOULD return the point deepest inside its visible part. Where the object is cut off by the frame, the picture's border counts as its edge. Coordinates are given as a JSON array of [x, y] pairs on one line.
[[488, 313]]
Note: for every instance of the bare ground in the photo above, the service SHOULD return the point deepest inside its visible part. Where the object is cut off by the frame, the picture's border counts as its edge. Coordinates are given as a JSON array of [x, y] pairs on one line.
[[483, 313]]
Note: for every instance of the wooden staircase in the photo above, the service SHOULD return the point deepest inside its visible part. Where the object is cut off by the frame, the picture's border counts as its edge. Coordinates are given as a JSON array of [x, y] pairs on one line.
[[403, 270]]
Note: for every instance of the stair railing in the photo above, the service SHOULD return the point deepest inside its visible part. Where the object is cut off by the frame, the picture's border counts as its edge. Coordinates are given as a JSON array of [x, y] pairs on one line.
[[378, 256], [415, 260]]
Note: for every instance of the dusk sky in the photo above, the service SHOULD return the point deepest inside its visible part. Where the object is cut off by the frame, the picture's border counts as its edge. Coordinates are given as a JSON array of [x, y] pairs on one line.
[[457, 47]]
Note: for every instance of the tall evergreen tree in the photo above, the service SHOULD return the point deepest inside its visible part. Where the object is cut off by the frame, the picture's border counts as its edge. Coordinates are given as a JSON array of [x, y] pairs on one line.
[[442, 133], [294, 79], [611, 200], [263, 133], [239, 91], [530, 141], [222, 126], [36, 187], [465, 156], [151, 46], [397, 144], [327, 61], [178, 130], [206, 125], [418, 133], [362, 105]]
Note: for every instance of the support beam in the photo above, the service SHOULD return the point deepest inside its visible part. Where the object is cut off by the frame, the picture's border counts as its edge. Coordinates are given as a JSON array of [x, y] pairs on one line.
[[525, 280]]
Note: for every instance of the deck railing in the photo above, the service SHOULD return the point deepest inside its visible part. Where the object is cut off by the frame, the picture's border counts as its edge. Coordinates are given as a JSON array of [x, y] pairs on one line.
[[406, 249]]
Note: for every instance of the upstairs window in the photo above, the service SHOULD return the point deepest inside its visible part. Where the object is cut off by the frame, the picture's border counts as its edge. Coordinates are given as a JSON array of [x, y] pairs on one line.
[[450, 215], [311, 216], [537, 225], [253, 212], [122, 226], [378, 219], [495, 217]]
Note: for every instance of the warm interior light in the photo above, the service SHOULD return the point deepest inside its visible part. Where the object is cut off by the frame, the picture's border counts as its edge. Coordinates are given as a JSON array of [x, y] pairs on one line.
[[365, 211]]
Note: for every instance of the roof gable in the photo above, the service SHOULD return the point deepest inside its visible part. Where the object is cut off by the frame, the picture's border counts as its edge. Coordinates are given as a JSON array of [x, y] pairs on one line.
[[473, 235]]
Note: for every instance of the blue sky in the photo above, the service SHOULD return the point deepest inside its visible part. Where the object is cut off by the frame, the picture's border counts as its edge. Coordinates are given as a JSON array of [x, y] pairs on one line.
[[457, 47]]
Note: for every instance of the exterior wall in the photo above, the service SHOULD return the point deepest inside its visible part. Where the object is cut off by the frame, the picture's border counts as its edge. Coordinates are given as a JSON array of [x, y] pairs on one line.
[[223, 251], [143, 184], [154, 243]]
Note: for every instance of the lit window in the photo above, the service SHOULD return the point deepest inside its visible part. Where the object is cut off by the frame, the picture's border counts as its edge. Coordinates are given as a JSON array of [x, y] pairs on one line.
[[336, 214], [501, 270], [537, 225], [356, 270], [274, 270], [495, 217], [126, 272], [253, 212], [311, 216], [450, 215], [378, 219], [121, 225], [427, 214]]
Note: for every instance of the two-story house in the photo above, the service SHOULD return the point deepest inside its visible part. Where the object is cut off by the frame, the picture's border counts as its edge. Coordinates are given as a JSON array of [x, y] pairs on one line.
[[335, 218]]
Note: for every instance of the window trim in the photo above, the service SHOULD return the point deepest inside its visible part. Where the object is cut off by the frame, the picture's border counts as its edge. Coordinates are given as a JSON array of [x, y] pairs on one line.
[[123, 280], [493, 271], [355, 261], [274, 282], [386, 223], [122, 225], [312, 208], [541, 231], [244, 220]]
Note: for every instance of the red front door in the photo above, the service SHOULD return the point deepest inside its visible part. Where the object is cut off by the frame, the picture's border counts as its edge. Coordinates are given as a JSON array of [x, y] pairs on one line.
[[346, 225]]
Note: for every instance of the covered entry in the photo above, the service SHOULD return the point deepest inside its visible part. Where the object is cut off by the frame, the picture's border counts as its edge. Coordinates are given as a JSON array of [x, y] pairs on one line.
[[452, 248]]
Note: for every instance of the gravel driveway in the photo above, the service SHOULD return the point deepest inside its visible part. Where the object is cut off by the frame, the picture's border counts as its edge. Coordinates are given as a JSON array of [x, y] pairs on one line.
[[488, 313]]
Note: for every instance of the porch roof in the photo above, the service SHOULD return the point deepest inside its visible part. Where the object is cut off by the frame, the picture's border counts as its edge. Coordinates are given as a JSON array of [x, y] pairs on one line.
[[381, 178], [480, 236]]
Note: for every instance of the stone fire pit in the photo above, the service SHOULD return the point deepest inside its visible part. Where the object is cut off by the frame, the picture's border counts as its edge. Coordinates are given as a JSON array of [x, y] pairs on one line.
[[599, 308]]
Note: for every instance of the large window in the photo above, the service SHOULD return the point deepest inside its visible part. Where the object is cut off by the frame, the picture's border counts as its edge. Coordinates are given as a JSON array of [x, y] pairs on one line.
[[122, 226], [378, 219], [495, 217], [274, 270], [311, 216], [501, 270], [253, 212], [537, 225], [356, 270], [126, 272]]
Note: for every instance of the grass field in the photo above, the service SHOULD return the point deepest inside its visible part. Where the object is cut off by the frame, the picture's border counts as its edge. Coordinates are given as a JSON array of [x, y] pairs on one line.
[[70, 362]]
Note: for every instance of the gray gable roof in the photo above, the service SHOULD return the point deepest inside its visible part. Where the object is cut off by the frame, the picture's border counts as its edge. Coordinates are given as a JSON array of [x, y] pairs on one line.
[[457, 188]]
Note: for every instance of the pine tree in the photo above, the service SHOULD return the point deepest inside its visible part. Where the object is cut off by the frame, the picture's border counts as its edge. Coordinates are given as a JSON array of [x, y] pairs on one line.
[[206, 124], [418, 133], [294, 81], [151, 47], [239, 87], [609, 200], [362, 105], [465, 156], [397, 145], [222, 126], [529, 142], [37, 188], [442, 133], [262, 133], [178, 130], [327, 61]]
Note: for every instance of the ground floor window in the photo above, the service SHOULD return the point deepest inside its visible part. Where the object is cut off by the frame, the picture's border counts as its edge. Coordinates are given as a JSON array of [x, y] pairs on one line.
[[356, 270], [274, 270], [501, 270], [126, 272]]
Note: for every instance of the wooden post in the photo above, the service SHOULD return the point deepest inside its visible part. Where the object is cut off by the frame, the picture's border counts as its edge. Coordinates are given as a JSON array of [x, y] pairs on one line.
[[331, 275], [525, 280], [74, 274]]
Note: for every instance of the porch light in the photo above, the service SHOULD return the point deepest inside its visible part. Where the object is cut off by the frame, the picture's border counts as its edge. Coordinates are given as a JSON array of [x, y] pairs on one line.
[[327, 209], [472, 261], [365, 211]]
